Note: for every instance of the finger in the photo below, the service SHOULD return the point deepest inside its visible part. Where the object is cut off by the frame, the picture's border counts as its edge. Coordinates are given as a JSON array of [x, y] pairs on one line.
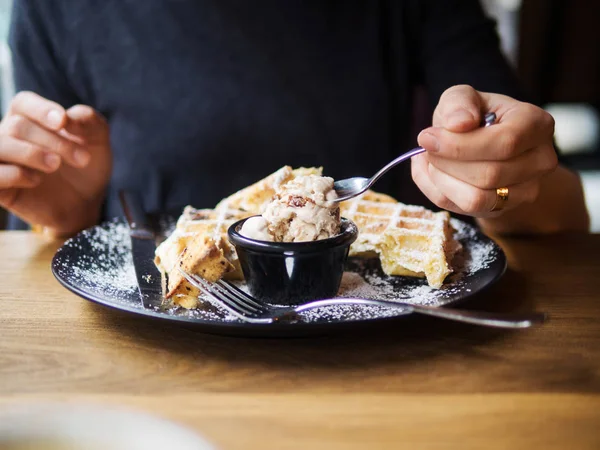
[[8, 197], [83, 120], [459, 109], [420, 175], [480, 202], [28, 155], [493, 174], [12, 176], [521, 128], [44, 112], [24, 129]]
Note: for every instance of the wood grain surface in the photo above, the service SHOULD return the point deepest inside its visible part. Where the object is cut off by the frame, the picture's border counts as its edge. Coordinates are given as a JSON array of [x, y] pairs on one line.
[[416, 383]]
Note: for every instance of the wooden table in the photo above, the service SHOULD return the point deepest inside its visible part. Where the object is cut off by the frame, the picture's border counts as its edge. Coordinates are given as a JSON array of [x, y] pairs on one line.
[[411, 384]]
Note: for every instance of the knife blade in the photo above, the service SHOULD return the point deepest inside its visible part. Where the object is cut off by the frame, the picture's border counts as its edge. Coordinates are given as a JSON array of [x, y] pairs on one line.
[[143, 246]]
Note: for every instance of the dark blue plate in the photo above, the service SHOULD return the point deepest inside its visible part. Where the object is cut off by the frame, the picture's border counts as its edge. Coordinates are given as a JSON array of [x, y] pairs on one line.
[[96, 265]]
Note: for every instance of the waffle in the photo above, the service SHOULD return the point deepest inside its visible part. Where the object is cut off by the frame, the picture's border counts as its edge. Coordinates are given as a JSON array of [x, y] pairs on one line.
[[409, 240], [254, 198], [199, 243]]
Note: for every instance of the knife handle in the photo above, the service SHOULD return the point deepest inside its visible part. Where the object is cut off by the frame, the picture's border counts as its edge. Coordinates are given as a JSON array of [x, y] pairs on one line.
[[136, 216]]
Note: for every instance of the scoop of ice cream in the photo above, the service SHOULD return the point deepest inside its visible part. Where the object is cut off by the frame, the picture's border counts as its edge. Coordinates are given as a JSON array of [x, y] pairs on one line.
[[303, 210], [256, 228]]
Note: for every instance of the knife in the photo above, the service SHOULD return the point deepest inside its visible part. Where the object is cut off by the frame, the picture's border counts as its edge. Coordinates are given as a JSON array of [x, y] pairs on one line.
[[143, 246]]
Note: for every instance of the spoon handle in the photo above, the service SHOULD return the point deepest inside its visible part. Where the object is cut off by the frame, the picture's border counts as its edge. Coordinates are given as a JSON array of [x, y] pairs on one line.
[[395, 162], [488, 120]]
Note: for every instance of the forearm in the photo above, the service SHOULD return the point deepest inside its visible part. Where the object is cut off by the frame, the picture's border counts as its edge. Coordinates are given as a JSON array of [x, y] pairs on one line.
[[559, 207]]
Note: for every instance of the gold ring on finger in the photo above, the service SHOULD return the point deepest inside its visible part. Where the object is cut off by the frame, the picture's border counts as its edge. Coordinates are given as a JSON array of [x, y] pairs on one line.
[[501, 199]]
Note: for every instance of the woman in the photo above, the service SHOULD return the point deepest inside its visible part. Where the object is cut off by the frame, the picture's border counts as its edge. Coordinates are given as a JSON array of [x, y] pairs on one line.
[[188, 101]]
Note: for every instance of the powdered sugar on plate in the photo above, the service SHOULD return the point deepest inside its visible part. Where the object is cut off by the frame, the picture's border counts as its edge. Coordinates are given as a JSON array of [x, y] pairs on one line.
[[99, 260], [98, 264], [480, 252]]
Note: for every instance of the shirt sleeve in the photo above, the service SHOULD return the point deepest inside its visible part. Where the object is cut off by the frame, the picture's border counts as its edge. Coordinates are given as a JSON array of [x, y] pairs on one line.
[[35, 32], [455, 43]]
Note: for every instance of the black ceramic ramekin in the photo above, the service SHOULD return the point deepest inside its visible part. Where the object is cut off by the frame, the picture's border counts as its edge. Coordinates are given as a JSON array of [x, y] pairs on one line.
[[292, 273]]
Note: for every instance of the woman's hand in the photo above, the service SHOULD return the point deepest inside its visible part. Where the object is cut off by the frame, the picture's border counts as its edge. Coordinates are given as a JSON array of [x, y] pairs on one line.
[[54, 163], [465, 164]]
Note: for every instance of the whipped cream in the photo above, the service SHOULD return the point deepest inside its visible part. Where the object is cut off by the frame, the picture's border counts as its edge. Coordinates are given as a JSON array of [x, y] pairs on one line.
[[256, 228]]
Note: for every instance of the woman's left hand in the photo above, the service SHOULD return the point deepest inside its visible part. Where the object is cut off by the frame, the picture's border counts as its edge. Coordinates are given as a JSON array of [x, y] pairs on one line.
[[465, 164]]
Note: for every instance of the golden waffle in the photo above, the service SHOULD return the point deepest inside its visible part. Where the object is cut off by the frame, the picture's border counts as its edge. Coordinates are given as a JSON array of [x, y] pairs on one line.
[[254, 198], [409, 240], [199, 243]]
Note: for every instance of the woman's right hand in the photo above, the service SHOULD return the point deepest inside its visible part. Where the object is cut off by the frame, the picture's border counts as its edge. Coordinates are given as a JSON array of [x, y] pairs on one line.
[[54, 163]]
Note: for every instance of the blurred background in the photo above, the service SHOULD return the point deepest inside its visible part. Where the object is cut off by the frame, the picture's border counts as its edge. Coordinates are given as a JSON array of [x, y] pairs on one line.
[[554, 45]]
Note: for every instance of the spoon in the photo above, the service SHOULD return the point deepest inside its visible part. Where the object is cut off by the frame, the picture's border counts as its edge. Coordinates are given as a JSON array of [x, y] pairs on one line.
[[351, 187]]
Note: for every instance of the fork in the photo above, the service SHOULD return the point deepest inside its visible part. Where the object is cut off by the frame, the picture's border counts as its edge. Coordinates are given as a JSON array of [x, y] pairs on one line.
[[246, 308]]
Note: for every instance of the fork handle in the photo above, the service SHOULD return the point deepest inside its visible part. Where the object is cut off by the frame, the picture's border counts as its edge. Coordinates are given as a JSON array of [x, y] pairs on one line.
[[490, 319]]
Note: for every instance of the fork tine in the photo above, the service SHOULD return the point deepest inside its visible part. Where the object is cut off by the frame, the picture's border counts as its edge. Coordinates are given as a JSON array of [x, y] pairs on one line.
[[226, 302], [241, 300], [200, 284], [231, 301], [239, 293], [223, 297]]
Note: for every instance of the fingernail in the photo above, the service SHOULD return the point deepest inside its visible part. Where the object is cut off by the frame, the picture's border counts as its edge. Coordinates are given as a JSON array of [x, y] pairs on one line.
[[429, 142], [459, 117], [55, 118], [81, 157], [52, 160]]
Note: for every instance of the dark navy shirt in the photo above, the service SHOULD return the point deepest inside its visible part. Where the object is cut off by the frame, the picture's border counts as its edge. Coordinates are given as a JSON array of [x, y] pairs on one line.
[[204, 97]]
